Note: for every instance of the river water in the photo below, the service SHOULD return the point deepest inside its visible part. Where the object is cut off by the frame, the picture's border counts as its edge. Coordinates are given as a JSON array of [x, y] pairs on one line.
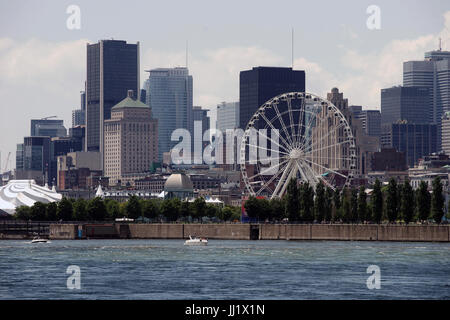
[[225, 269]]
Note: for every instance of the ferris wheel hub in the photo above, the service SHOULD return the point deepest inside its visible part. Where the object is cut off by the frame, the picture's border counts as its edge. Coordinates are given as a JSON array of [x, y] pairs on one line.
[[295, 154]]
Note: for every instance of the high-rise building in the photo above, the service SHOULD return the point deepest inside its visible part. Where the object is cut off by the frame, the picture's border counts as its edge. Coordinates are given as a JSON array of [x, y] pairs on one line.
[[35, 160], [260, 84], [227, 116], [131, 137], [434, 73], [446, 132], [79, 115], [411, 104], [47, 128], [415, 140], [370, 120], [112, 70], [170, 92], [366, 145]]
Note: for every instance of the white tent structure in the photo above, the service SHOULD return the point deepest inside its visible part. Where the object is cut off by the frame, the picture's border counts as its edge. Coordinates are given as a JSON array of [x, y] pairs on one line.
[[24, 193]]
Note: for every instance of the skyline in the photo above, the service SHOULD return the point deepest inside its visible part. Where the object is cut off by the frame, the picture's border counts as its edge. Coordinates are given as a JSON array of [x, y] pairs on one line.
[[345, 54]]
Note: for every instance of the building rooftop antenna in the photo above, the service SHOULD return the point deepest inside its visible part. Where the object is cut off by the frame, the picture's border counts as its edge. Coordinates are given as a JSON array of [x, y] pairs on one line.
[[292, 48], [186, 54], [440, 44]]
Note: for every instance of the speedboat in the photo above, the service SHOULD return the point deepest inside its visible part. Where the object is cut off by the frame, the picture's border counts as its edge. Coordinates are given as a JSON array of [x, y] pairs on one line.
[[39, 240], [194, 241]]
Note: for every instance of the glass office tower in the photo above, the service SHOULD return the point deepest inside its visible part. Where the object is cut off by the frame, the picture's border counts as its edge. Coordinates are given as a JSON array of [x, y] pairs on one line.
[[112, 70], [170, 97]]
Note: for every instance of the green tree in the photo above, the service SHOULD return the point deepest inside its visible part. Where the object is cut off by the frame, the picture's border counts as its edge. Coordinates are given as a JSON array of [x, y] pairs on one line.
[[112, 209], [337, 204], [362, 204], [277, 209], [407, 203], [133, 207], [437, 200], [319, 202], [346, 205], [423, 201], [291, 198], [185, 209], [376, 201], [51, 210], [306, 202], [353, 205], [64, 211], [392, 200], [96, 209], [328, 204], [79, 210], [170, 209], [227, 213], [38, 210], [252, 207], [199, 208], [23, 213]]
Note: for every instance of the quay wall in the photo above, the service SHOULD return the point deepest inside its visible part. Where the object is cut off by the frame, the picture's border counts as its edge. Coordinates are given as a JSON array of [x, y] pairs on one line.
[[344, 232]]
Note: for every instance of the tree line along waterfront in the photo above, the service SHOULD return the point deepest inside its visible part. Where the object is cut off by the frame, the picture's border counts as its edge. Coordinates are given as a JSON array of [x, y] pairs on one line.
[[394, 202]]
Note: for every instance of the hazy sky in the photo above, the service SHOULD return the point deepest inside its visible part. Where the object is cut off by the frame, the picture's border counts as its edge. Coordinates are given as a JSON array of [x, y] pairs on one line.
[[42, 62]]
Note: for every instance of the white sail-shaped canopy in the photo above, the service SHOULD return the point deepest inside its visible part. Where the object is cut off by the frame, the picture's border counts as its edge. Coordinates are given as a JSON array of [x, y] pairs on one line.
[[24, 193]]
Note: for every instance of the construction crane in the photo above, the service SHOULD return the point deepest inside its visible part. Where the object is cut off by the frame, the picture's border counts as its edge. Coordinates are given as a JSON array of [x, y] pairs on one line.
[[48, 117], [7, 161]]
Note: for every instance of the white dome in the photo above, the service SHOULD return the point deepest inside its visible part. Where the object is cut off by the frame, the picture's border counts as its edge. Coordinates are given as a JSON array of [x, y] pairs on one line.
[[178, 182]]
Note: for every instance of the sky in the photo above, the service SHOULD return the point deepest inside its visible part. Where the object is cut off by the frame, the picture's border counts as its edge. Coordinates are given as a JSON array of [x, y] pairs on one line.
[[43, 62]]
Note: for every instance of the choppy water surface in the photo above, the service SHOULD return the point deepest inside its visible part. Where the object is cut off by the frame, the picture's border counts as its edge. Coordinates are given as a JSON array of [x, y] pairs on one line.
[[166, 269]]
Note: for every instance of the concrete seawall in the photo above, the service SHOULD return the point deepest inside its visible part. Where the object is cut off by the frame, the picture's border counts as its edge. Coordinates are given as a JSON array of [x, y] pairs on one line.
[[344, 232]]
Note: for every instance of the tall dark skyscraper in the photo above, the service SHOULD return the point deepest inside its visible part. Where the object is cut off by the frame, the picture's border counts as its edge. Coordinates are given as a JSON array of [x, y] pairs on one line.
[[112, 70], [260, 84], [411, 104]]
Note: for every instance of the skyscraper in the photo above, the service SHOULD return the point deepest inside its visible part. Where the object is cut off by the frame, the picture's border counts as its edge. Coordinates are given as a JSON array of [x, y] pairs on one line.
[[79, 115], [370, 120], [433, 73], [47, 128], [365, 144], [130, 140], [260, 84], [411, 104], [112, 70], [170, 97], [415, 140], [227, 116]]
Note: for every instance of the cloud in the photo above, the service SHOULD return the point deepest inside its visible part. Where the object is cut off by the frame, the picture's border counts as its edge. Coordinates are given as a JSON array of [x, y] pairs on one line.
[[38, 79]]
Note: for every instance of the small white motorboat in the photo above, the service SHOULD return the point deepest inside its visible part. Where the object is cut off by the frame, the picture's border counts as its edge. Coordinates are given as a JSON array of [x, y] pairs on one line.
[[194, 241], [39, 240]]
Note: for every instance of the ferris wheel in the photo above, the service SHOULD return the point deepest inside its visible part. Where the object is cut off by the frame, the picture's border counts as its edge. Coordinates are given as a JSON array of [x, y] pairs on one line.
[[296, 135]]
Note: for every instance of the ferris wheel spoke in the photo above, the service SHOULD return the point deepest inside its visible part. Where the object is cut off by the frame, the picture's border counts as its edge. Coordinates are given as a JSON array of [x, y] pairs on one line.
[[271, 150], [292, 174], [310, 122], [327, 169], [283, 126], [291, 119], [271, 180], [324, 137], [281, 182], [268, 169], [283, 147], [330, 146], [286, 144], [300, 121]]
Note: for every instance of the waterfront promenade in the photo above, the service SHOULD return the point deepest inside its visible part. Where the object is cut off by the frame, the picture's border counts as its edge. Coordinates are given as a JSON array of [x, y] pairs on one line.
[[344, 232]]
